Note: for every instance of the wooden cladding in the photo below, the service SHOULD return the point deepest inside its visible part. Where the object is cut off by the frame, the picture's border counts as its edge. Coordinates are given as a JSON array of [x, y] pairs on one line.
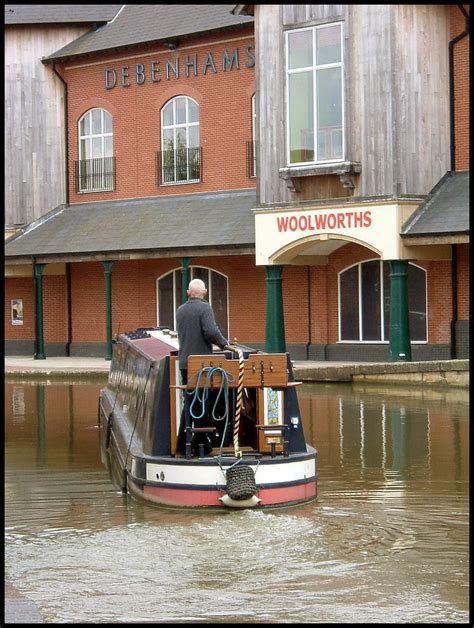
[[260, 370]]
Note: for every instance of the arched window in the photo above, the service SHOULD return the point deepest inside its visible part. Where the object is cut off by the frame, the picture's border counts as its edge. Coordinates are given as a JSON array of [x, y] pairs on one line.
[[170, 296], [95, 170], [364, 302], [180, 150]]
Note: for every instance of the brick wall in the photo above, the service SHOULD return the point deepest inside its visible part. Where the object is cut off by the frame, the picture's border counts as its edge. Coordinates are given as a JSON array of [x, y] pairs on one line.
[[224, 98], [461, 73], [20, 288]]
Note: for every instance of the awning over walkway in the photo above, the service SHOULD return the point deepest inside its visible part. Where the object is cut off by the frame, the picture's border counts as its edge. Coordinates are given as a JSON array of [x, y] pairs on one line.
[[216, 223], [444, 214]]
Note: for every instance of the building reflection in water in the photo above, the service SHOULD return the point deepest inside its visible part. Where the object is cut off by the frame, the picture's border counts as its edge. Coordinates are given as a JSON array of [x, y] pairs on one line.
[[382, 434], [387, 434]]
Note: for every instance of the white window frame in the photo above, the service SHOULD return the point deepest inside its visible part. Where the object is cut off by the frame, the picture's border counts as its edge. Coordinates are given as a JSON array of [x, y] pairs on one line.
[[89, 138], [174, 127], [314, 68], [177, 287], [254, 134], [382, 314]]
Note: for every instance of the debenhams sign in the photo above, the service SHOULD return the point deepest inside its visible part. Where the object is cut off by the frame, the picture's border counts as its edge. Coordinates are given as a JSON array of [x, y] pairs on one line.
[[190, 65]]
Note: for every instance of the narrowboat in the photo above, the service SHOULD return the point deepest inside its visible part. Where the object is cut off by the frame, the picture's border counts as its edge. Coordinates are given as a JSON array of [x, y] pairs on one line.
[[232, 437]]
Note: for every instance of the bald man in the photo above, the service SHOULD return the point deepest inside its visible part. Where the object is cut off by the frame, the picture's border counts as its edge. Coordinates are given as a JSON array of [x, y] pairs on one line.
[[196, 326]]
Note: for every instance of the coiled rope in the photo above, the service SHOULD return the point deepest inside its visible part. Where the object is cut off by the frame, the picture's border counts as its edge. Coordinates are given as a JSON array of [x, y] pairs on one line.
[[200, 398]]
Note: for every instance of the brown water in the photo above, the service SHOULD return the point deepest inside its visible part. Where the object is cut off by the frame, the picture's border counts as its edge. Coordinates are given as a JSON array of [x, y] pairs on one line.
[[386, 542]]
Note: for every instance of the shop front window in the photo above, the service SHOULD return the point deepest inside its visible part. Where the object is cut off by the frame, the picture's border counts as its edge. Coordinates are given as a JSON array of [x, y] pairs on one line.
[[364, 302]]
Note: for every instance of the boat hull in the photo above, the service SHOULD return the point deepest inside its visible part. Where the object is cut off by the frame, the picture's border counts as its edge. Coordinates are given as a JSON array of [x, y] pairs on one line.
[[143, 414], [201, 482]]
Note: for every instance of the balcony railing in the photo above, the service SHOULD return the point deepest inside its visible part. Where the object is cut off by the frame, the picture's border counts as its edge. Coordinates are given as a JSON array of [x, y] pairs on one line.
[[95, 175], [251, 159], [182, 165]]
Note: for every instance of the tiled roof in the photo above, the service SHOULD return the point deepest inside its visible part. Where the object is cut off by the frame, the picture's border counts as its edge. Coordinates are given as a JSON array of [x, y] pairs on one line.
[[192, 221], [146, 23], [59, 13], [445, 210]]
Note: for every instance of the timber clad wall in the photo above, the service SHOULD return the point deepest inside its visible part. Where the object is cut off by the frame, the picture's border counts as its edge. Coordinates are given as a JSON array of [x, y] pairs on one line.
[[224, 99], [389, 80], [35, 181]]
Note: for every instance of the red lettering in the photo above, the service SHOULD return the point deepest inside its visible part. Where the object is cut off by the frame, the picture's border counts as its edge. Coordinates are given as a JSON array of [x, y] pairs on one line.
[[367, 219], [282, 222], [303, 223], [320, 220], [293, 224], [332, 221], [310, 228], [340, 221], [358, 219]]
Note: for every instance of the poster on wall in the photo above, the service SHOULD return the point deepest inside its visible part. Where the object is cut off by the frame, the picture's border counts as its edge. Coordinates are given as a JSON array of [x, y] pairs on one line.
[[17, 311]]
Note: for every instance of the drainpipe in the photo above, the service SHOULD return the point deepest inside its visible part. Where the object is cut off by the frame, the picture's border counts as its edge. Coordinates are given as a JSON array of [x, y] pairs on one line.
[[66, 129], [451, 84], [68, 264], [308, 345], [69, 308], [454, 282]]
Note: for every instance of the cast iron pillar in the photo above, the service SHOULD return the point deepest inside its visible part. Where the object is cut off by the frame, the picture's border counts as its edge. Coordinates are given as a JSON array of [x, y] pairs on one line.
[[108, 308], [38, 270], [400, 347], [275, 324], [185, 276]]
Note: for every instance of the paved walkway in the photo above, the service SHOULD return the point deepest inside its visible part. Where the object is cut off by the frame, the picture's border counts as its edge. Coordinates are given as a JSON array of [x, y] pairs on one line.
[[452, 372]]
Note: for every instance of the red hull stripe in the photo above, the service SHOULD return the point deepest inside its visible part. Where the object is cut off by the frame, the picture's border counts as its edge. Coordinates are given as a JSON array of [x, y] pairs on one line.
[[189, 497]]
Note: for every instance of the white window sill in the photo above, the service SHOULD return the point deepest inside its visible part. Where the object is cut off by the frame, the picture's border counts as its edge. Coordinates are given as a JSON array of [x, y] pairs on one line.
[[344, 169]]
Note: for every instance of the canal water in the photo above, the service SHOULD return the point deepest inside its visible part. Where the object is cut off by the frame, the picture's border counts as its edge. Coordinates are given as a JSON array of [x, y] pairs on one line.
[[386, 542]]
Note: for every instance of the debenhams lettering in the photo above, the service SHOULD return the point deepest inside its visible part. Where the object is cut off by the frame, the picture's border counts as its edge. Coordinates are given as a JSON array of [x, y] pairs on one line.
[[191, 65]]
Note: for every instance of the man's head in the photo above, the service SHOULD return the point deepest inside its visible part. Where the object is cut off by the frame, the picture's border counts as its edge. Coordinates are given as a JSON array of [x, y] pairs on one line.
[[197, 289]]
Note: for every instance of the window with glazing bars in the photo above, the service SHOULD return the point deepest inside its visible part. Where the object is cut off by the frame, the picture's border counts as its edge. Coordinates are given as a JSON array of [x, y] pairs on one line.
[[95, 169], [180, 158]]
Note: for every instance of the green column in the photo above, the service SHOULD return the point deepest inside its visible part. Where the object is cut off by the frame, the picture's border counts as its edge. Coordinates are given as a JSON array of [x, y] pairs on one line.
[[108, 308], [275, 324], [400, 347], [38, 270], [185, 276]]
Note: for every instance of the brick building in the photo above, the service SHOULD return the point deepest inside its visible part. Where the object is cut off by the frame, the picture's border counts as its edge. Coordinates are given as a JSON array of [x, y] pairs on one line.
[[177, 154]]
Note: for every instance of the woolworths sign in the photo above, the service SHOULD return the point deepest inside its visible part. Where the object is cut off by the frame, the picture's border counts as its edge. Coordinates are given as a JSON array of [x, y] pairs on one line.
[[283, 235]]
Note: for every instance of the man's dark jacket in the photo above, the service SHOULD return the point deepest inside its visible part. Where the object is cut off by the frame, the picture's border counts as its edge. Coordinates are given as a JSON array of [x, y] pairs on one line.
[[197, 330]]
